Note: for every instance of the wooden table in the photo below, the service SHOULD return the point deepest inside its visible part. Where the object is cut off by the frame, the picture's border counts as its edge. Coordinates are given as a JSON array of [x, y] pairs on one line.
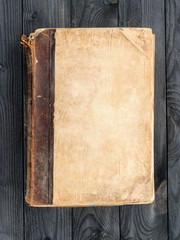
[[160, 220]]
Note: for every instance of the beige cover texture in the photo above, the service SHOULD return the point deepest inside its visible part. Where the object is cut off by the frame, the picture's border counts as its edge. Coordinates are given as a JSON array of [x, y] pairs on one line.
[[103, 116]]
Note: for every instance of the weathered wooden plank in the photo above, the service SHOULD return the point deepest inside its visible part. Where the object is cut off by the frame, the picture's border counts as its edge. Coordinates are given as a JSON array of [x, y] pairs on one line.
[[45, 223], [45, 14], [48, 223], [150, 221], [95, 222], [11, 131], [92, 13], [173, 106]]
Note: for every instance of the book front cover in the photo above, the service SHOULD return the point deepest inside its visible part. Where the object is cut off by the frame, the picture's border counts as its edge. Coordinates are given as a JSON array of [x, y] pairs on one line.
[[103, 117]]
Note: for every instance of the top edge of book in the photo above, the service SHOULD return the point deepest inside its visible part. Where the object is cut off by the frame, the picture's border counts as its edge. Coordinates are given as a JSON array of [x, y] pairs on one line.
[[40, 30]]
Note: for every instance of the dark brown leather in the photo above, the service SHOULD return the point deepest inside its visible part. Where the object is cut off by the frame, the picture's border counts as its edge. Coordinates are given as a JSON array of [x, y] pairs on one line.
[[43, 113], [41, 136]]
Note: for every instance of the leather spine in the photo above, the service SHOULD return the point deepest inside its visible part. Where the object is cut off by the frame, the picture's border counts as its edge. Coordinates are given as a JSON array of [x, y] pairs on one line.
[[28, 46], [40, 57]]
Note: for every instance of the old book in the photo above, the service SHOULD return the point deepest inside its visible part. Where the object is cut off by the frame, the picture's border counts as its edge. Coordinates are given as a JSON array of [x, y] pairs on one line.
[[90, 116]]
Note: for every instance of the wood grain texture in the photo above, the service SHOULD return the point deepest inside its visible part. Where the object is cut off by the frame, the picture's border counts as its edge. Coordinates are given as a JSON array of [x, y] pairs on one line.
[[48, 223], [93, 13], [11, 124], [42, 223], [96, 223], [173, 106], [150, 221], [88, 221], [45, 14]]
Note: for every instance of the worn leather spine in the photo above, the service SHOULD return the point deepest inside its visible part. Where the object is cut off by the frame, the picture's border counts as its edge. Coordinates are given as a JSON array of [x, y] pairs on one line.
[[39, 48], [28, 47]]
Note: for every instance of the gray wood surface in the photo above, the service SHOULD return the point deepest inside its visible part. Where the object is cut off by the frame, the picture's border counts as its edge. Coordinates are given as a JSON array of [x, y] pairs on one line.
[[153, 221], [173, 114], [11, 128], [96, 223], [150, 221]]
